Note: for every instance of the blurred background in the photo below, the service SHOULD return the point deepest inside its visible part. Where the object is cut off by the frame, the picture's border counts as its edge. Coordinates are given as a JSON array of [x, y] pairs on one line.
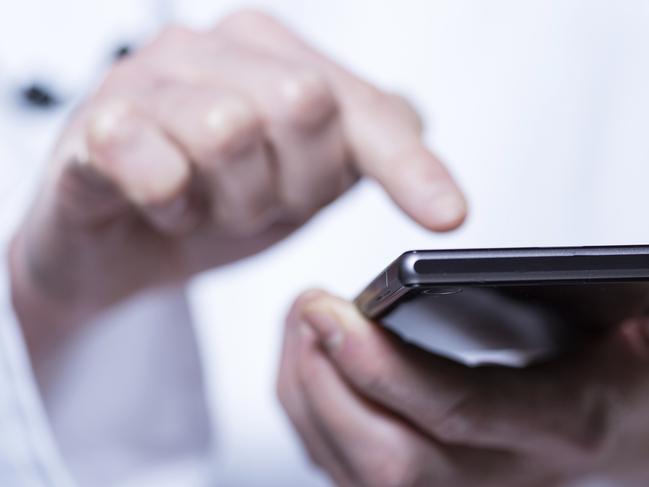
[[539, 108]]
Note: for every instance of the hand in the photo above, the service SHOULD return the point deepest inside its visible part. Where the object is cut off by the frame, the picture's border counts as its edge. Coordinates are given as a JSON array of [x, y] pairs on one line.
[[203, 148], [375, 411]]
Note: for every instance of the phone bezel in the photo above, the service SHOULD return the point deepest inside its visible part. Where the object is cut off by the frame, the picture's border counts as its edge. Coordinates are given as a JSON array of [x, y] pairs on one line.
[[417, 269]]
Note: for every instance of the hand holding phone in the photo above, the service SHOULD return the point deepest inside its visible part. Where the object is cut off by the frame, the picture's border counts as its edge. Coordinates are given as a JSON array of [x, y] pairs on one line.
[[367, 401]]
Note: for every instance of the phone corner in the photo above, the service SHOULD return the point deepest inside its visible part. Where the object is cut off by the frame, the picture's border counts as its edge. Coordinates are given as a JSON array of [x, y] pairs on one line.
[[406, 264]]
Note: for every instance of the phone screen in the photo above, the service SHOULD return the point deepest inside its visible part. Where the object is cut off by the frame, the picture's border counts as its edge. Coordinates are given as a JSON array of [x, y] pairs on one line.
[[512, 325]]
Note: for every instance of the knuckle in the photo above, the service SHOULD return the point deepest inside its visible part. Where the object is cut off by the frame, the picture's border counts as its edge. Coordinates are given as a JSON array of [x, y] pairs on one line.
[[230, 126], [107, 122], [307, 100]]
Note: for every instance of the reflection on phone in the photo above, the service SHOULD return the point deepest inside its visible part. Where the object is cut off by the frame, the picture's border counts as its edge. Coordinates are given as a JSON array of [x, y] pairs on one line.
[[512, 325]]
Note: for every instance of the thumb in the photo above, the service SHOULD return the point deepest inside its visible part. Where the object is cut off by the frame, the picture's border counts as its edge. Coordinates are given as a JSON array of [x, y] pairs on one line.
[[413, 383], [570, 407]]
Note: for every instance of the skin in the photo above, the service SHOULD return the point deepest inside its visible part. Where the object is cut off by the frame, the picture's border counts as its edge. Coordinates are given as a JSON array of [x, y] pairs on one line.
[[200, 149], [375, 411]]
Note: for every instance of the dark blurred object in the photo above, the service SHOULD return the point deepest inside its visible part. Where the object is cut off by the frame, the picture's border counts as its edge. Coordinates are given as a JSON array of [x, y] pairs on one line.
[[122, 51], [39, 95]]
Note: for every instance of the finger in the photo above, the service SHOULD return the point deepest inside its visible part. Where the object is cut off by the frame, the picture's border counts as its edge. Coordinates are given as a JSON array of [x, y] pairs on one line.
[[394, 374], [301, 122], [340, 414], [368, 446], [306, 136], [563, 409], [382, 132], [292, 399], [375, 447], [130, 151], [309, 142], [222, 134], [386, 143]]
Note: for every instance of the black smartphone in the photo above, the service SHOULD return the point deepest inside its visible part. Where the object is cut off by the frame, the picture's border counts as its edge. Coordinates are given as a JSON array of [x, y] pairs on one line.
[[508, 306]]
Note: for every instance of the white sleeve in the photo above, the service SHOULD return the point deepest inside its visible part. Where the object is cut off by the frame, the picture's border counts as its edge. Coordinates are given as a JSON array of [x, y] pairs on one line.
[[122, 403], [125, 397], [28, 456]]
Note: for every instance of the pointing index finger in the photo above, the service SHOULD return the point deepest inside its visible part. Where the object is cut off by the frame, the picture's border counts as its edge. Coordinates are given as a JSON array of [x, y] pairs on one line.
[[382, 132], [385, 138]]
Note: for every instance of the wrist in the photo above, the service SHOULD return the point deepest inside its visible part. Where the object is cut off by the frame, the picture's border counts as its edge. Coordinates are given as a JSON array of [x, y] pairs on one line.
[[43, 309]]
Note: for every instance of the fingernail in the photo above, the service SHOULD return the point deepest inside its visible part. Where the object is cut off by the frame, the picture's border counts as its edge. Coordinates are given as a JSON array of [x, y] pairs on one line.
[[327, 326]]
